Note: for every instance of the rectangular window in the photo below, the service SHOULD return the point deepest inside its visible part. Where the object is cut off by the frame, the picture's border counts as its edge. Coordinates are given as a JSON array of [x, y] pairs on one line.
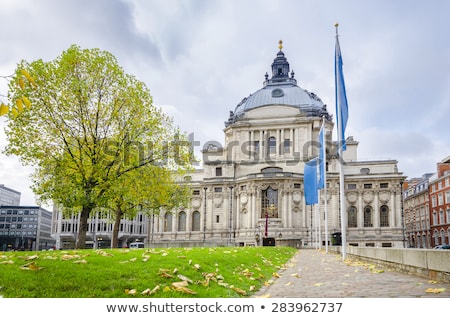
[[297, 186], [217, 189], [218, 171], [367, 185], [384, 185], [196, 192], [351, 186], [256, 146], [217, 218], [287, 145]]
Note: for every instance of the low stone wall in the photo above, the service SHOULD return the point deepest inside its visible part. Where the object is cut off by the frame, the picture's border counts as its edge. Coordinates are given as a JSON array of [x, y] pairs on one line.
[[429, 263]]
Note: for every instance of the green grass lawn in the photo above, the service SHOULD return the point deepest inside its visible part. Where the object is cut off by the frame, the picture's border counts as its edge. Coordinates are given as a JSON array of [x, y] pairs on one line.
[[162, 273]]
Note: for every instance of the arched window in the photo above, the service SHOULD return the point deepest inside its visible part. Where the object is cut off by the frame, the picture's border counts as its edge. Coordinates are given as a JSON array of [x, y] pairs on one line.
[[436, 237], [168, 222], [182, 221], [352, 217], [196, 221], [384, 216], [272, 145], [368, 216], [442, 237], [269, 203]]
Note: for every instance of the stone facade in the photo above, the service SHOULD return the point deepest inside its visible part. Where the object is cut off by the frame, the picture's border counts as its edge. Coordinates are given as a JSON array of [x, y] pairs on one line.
[[250, 189]]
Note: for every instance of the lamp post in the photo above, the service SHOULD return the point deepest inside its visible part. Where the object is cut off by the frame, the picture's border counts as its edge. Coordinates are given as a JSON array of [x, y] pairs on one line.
[[403, 215], [204, 216], [231, 213]]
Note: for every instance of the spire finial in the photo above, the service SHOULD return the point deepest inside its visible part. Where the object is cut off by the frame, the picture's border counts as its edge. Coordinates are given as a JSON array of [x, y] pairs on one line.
[[336, 26], [280, 44]]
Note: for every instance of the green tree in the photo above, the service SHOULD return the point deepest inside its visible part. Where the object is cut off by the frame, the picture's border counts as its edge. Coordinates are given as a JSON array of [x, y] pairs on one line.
[[146, 190], [88, 121]]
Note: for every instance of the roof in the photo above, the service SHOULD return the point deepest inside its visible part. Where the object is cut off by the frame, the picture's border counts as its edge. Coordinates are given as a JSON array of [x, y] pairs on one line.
[[281, 89]]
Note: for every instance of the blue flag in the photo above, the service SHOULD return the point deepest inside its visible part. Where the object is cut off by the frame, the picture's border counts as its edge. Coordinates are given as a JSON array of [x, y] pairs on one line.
[[341, 97], [310, 182], [322, 159]]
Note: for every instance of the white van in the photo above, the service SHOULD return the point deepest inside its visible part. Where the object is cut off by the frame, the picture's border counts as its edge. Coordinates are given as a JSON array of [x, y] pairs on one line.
[[137, 245]]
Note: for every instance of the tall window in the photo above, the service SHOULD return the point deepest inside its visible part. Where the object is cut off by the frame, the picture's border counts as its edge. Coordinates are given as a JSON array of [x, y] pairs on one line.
[[218, 171], [352, 217], [256, 146], [384, 216], [168, 222], [368, 216], [269, 203], [182, 221], [287, 145], [272, 145], [196, 221]]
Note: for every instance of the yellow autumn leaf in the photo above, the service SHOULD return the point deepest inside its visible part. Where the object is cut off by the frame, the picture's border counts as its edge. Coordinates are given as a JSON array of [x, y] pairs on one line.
[[7, 262], [27, 102], [238, 290], [32, 257], [81, 261], [14, 113], [288, 284], [434, 290], [21, 83], [318, 284], [276, 275], [131, 292], [149, 291], [30, 266], [197, 266], [186, 290], [133, 259], [3, 109], [183, 283]]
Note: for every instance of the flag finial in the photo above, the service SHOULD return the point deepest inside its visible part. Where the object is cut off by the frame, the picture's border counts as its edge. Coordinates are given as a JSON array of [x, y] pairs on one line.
[[336, 25], [280, 44]]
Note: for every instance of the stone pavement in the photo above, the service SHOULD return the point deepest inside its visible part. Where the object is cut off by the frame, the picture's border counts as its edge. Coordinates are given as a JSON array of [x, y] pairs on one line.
[[313, 273]]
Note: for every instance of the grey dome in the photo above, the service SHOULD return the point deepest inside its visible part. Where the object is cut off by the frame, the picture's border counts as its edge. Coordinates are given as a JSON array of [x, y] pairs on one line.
[[281, 89]]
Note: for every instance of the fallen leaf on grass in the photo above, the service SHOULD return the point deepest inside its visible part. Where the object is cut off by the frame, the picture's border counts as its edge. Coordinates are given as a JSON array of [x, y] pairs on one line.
[[131, 292], [32, 257], [7, 262], [30, 266], [238, 290], [276, 275], [149, 291], [81, 261], [184, 278]]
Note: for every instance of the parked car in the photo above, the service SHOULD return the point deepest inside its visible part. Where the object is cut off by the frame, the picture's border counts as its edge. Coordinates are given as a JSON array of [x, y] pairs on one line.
[[442, 247], [137, 245]]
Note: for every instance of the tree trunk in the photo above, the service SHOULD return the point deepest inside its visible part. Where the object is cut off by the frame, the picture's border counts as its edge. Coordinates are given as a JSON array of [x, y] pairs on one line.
[[84, 216], [115, 234]]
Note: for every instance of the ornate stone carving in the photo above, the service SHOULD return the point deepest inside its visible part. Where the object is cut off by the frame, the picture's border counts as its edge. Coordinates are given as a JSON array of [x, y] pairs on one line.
[[244, 199], [196, 203], [384, 197], [368, 197], [352, 197], [218, 199], [297, 197]]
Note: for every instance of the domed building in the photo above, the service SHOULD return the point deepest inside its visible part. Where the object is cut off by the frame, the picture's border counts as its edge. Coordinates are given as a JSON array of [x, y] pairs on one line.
[[250, 191]]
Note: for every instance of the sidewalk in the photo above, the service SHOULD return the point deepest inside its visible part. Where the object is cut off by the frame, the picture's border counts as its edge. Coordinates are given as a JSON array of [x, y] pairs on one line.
[[313, 273]]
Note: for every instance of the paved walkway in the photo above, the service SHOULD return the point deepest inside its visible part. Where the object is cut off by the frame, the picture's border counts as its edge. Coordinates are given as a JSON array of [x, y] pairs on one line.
[[316, 274]]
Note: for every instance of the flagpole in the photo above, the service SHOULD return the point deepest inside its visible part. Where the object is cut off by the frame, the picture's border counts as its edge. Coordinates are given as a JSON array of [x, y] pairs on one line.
[[340, 149], [324, 156]]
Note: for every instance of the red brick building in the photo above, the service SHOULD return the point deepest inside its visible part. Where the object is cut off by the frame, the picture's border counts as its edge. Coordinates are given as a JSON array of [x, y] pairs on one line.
[[439, 192]]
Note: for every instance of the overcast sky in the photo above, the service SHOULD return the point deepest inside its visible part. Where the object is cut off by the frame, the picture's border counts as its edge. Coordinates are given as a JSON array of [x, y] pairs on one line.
[[199, 58]]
